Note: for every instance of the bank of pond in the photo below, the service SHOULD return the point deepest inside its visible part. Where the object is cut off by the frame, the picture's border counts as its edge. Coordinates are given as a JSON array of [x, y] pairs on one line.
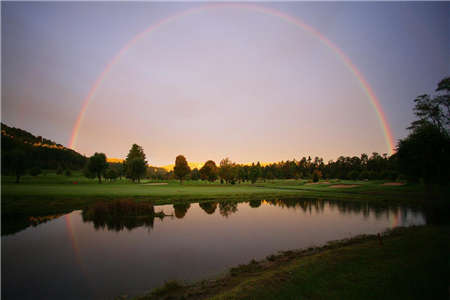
[[112, 248]]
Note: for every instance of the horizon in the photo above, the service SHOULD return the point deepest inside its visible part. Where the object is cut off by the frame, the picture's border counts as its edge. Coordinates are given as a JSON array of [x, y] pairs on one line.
[[279, 92]]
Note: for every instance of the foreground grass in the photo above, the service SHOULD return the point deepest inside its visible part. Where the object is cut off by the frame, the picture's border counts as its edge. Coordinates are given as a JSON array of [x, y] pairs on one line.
[[410, 263], [53, 194]]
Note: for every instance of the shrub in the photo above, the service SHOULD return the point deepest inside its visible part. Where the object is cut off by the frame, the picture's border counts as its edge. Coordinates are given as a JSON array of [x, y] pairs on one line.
[[59, 170], [316, 175], [35, 171], [168, 287], [353, 175]]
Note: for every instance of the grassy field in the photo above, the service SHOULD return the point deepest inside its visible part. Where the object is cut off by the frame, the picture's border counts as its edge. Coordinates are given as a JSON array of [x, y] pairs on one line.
[[50, 193], [409, 263]]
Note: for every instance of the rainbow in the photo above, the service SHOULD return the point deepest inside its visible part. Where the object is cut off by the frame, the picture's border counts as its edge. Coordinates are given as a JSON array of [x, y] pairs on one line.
[[75, 247], [375, 103]]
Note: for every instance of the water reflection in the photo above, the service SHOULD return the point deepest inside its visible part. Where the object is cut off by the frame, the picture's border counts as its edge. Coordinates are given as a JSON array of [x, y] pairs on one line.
[[181, 209], [208, 207], [121, 214], [128, 214], [254, 203], [70, 258], [227, 208]]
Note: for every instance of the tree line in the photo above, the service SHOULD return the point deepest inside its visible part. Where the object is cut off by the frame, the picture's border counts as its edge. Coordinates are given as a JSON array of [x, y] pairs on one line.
[[22, 153], [423, 155]]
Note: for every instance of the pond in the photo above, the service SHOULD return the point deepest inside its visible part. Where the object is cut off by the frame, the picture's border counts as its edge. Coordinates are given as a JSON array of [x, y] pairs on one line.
[[80, 256]]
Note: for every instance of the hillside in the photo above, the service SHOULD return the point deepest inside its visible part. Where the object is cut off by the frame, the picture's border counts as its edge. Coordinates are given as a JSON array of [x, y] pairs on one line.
[[37, 151]]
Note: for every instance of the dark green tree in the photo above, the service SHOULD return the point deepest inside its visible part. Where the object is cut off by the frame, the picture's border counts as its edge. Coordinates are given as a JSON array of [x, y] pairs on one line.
[[16, 162], [254, 173], [425, 153], [97, 165], [181, 168], [136, 169], [35, 171], [135, 164], [111, 173]]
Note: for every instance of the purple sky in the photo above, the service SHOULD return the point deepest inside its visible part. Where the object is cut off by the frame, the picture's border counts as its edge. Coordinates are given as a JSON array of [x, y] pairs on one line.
[[224, 82]]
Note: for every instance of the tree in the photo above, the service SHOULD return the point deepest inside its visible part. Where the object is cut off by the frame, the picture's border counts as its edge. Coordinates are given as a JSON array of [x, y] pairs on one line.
[[111, 173], [195, 174], [136, 151], [16, 162], [227, 170], [136, 169], [97, 165], [316, 175], [181, 168], [253, 174], [59, 170], [209, 171], [425, 152], [434, 110], [135, 164], [35, 171]]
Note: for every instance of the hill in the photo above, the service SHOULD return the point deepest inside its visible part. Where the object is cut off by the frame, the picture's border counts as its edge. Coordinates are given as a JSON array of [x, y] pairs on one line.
[[36, 151]]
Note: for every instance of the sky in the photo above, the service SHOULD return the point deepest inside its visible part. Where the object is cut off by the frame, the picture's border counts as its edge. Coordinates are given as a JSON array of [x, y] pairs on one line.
[[226, 81]]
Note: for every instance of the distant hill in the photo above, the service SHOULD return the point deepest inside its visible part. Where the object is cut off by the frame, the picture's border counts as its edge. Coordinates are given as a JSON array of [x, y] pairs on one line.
[[192, 165], [115, 160], [39, 151], [198, 165]]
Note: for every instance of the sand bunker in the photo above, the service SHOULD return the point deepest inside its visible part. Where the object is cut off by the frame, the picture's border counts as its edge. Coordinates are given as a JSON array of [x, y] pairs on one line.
[[156, 183], [322, 182], [394, 183], [343, 186]]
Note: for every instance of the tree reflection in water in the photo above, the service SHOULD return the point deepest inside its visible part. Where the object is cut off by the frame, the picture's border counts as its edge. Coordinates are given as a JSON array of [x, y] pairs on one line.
[[181, 209], [121, 214], [226, 208], [128, 214], [208, 207]]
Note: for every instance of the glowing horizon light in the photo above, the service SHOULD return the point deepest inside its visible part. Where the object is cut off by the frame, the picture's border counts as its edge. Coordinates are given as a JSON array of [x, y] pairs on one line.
[[375, 103]]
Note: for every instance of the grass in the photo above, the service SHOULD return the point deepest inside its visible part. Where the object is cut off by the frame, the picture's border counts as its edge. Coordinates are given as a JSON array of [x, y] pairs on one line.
[[51, 194], [409, 263]]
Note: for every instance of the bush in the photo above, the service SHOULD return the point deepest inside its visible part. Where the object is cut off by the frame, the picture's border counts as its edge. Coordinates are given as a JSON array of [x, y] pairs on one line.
[[168, 287], [35, 171], [316, 175], [353, 175], [59, 170], [68, 172], [364, 175]]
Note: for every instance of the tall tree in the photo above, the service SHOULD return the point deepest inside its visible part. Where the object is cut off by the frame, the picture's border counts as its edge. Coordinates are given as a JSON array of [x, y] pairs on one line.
[[181, 168], [136, 151], [209, 171], [227, 170], [135, 163], [425, 153], [97, 165], [136, 169], [434, 110]]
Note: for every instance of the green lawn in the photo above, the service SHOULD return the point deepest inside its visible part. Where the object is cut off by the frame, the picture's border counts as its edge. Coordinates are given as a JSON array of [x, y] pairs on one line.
[[411, 263], [51, 193]]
